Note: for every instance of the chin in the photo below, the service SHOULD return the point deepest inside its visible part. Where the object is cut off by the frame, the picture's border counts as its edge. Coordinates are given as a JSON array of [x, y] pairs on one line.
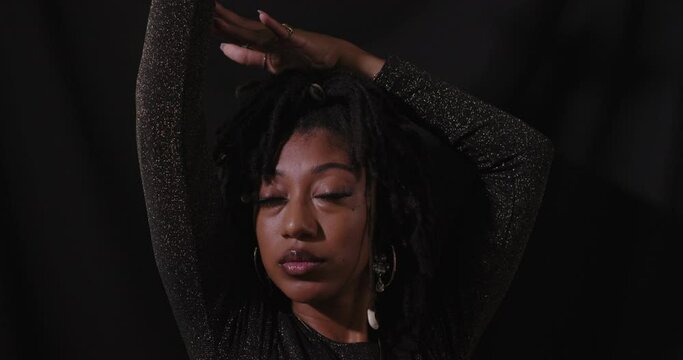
[[307, 292]]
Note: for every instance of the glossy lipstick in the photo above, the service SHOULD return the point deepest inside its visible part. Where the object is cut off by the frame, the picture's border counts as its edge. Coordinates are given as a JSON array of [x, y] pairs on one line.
[[299, 262]]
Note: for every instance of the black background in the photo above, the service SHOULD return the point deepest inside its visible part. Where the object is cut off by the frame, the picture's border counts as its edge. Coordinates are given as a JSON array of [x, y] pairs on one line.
[[602, 274]]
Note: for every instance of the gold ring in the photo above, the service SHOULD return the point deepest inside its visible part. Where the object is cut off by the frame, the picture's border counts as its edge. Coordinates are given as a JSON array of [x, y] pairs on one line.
[[290, 30]]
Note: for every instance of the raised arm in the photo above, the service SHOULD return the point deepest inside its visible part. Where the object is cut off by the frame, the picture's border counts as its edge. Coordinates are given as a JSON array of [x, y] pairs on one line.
[[512, 159], [180, 192]]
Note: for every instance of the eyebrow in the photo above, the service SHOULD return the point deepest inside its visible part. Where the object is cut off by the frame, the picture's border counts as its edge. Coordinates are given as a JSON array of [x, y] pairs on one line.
[[332, 165], [324, 167]]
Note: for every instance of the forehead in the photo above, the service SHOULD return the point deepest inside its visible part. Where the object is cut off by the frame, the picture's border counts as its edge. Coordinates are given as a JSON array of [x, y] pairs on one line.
[[310, 148]]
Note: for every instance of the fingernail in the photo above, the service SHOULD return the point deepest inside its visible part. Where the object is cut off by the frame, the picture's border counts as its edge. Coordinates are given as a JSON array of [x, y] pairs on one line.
[[260, 12], [223, 46]]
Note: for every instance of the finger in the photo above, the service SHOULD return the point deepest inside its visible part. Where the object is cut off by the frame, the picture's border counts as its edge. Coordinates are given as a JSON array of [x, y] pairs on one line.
[[237, 34], [243, 55], [232, 17], [275, 26]]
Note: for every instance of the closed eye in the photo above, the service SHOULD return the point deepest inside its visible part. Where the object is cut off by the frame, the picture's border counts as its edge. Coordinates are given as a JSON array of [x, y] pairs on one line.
[[270, 201], [332, 196]]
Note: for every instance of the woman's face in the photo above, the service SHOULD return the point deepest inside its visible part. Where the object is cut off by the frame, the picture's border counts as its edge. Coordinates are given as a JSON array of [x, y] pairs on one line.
[[311, 221]]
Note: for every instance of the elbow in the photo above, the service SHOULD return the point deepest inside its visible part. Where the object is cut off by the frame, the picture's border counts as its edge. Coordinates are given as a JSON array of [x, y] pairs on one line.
[[546, 149], [539, 151], [543, 154]]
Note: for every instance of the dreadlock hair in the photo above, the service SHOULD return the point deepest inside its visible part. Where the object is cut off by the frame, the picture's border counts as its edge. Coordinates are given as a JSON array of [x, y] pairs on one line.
[[381, 138]]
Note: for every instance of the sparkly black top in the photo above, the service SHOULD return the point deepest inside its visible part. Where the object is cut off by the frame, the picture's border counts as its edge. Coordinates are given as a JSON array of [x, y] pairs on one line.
[[183, 200]]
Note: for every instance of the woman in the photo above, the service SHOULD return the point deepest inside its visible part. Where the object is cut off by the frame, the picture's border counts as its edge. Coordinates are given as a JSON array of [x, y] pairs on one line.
[[321, 171]]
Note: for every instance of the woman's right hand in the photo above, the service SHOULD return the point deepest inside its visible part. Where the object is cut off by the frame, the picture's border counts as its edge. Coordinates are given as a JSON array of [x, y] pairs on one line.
[[276, 47]]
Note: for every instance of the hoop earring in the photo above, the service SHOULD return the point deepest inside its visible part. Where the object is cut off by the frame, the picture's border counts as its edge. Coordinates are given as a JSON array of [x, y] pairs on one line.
[[381, 266]]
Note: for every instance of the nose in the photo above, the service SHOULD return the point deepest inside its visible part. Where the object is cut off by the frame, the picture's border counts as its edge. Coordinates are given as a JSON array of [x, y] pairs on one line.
[[299, 221]]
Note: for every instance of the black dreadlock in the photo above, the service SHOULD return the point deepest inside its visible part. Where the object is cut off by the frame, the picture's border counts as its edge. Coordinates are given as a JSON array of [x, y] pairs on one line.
[[380, 137]]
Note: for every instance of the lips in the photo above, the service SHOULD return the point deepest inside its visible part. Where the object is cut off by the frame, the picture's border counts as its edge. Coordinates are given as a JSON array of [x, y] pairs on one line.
[[299, 262]]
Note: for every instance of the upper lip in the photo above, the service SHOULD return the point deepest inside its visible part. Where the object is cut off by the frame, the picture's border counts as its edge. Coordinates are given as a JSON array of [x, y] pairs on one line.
[[293, 255]]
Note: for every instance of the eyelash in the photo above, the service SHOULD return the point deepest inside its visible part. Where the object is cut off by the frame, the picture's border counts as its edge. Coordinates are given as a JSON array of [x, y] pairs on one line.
[[332, 196], [277, 200], [270, 201]]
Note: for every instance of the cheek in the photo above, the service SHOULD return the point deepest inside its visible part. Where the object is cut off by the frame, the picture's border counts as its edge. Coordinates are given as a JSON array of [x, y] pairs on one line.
[[346, 233], [263, 228]]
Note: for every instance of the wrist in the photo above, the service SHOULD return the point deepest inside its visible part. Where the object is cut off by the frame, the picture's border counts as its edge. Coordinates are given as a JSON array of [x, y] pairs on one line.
[[360, 61]]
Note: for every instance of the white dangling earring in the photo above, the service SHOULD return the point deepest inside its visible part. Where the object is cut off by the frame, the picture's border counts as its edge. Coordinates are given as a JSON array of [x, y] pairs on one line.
[[372, 319]]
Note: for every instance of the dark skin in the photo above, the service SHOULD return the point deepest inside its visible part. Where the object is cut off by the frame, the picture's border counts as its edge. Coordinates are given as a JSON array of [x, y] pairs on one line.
[[317, 204], [322, 213], [301, 49]]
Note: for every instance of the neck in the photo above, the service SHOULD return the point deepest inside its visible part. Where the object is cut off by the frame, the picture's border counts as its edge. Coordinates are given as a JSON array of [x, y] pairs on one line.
[[342, 325], [343, 320]]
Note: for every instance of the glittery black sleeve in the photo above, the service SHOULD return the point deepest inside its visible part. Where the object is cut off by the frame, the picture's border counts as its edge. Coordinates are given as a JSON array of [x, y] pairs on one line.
[[513, 161], [180, 193]]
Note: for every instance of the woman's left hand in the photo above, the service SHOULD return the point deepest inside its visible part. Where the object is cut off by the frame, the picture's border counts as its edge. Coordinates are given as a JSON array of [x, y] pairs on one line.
[[276, 47]]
